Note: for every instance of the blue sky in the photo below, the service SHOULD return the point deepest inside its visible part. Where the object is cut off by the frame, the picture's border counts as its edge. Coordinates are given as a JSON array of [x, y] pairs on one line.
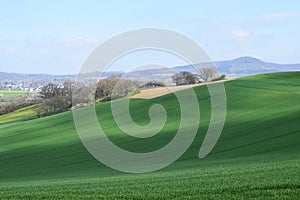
[[57, 36]]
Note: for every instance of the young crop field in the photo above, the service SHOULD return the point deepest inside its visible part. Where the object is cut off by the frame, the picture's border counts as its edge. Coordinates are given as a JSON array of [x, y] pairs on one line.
[[256, 157], [12, 93]]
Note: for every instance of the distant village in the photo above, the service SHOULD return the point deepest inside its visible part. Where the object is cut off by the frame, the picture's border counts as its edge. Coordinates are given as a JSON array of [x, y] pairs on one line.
[[27, 85]]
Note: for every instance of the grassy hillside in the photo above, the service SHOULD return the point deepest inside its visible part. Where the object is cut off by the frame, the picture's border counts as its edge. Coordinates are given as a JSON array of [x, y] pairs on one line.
[[257, 155], [19, 115]]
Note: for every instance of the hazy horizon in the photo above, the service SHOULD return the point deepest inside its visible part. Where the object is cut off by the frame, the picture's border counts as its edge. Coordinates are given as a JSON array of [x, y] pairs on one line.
[[150, 67]]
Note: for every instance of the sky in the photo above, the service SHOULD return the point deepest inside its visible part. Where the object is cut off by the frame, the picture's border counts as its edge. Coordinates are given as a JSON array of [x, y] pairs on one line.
[[57, 36]]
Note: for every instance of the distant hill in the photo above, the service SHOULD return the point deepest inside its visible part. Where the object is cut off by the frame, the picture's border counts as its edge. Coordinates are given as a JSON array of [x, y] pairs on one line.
[[238, 67], [19, 76], [245, 66]]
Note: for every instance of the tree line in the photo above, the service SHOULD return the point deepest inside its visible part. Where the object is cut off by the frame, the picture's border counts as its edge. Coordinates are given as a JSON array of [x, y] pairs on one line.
[[14, 103], [56, 98], [205, 74]]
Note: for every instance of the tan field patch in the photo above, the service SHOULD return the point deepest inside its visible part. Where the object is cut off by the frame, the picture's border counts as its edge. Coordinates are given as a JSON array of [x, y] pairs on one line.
[[160, 91]]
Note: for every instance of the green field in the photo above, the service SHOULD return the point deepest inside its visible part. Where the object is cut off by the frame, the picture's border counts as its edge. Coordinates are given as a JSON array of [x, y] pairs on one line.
[[12, 93], [257, 156]]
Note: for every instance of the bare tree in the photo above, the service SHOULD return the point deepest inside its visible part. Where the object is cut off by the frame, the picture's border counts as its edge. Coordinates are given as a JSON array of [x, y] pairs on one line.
[[53, 105], [184, 78], [208, 73], [50, 90], [56, 98], [114, 87]]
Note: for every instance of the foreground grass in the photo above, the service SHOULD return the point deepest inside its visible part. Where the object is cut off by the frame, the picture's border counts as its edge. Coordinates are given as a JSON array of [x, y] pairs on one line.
[[255, 178], [257, 156]]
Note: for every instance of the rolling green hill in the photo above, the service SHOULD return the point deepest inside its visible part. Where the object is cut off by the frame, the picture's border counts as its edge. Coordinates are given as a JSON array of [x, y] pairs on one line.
[[257, 156]]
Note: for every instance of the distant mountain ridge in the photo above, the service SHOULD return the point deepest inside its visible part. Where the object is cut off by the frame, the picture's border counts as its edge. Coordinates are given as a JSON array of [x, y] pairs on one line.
[[244, 66], [19, 76], [241, 66]]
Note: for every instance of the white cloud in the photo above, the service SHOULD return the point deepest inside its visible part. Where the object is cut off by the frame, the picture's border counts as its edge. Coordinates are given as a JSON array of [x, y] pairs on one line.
[[273, 16], [79, 40], [11, 49], [240, 33]]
